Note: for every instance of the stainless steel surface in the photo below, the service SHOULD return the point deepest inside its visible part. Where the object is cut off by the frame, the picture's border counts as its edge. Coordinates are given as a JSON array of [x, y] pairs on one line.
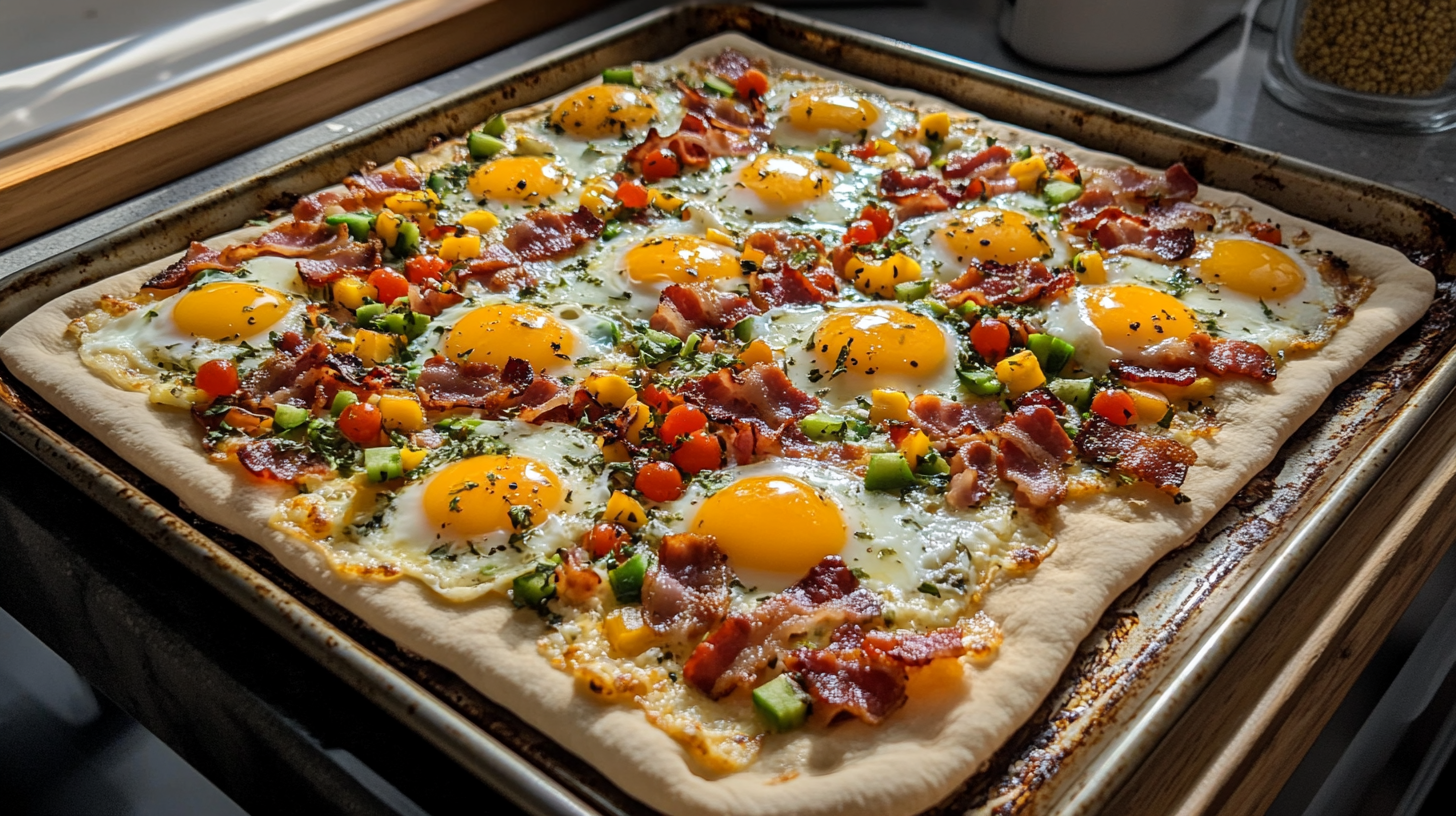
[[1175, 613]]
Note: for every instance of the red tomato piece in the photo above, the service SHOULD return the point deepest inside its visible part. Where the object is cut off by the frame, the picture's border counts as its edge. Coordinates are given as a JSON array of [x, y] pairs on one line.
[[218, 377], [1266, 232], [700, 451], [753, 83], [861, 232], [390, 284], [991, 338], [864, 150], [883, 222], [605, 538], [632, 194], [1115, 406], [660, 164], [659, 481], [681, 421], [421, 268], [360, 423]]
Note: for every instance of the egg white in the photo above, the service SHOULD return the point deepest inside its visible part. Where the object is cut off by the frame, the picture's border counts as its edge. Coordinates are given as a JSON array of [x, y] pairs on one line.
[[589, 329]]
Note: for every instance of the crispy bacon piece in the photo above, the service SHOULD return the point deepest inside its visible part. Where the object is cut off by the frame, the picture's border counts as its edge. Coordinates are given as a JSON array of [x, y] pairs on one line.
[[497, 268], [990, 162], [1266, 232], [941, 418], [686, 308], [1217, 356], [730, 64], [372, 186], [432, 301], [294, 239], [313, 207], [988, 282], [443, 385], [694, 143], [1033, 447], [739, 650], [864, 675], [761, 392], [181, 271], [576, 579], [685, 594], [972, 474], [1131, 186], [1166, 215], [280, 461], [916, 195], [778, 281], [726, 113], [1161, 462], [543, 235], [1116, 231], [1133, 373], [310, 375], [351, 259]]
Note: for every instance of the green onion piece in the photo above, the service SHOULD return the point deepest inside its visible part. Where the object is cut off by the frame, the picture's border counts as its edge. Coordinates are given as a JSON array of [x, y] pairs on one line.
[[620, 76], [393, 323], [408, 242], [611, 230], [1060, 192], [626, 579], [910, 291], [718, 85], [981, 382], [932, 464], [367, 314], [287, 416], [483, 145], [1076, 393], [968, 310], [1053, 353], [1023, 152], [383, 464], [437, 183], [823, 427], [746, 329], [359, 223], [342, 400], [888, 471], [782, 704], [495, 126], [657, 347], [415, 324], [534, 588], [690, 345], [930, 589]]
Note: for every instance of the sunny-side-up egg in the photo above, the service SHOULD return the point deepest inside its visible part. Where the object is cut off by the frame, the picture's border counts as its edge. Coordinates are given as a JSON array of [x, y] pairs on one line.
[[221, 317], [947, 243], [453, 527], [779, 186], [811, 114], [844, 353], [777, 518], [552, 337]]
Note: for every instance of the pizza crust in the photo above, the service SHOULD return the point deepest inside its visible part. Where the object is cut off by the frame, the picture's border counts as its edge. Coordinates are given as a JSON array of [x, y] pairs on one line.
[[950, 726]]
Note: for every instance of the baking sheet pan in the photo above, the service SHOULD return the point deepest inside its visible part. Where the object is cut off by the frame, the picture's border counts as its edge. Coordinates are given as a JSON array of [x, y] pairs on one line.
[[1132, 677]]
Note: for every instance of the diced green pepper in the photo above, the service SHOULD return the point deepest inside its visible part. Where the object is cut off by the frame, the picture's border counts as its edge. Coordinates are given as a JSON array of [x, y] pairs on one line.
[[888, 471], [626, 579], [746, 329], [620, 76], [1053, 353], [287, 416], [981, 382], [415, 324], [383, 464], [823, 427], [1076, 393], [438, 183], [782, 704], [935, 307], [969, 310], [342, 400], [932, 464], [718, 85], [393, 323], [367, 314], [534, 588], [1023, 152], [359, 223], [496, 126], [483, 145], [911, 291], [1060, 192], [611, 230]]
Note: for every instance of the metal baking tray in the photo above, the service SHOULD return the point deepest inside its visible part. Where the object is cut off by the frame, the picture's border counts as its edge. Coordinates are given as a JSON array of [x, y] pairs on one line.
[[1131, 678]]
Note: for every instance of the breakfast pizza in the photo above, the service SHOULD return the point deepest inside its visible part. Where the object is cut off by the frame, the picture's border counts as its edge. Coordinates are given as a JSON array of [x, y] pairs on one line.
[[766, 437]]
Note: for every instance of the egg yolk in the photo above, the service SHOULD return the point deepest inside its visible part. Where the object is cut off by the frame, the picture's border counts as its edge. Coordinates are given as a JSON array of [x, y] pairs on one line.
[[782, 180], [518, 178], [989, 234], [1136, 317], [494, 334], [604, 110], [879, 339], [772, 523], [229, 311], [831, 111], [681, 259], [1253, 268], [474, 496]]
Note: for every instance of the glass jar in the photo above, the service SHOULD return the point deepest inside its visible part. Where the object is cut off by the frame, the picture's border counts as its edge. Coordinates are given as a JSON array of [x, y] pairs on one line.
[[1385, 64]]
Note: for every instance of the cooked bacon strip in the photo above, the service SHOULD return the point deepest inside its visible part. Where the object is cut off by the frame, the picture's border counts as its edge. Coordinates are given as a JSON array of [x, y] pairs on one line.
[[182, 270], [941, 418], [543, 235], [760, 392], [1132, 373], [864, 675], [730, 64], [1159, 461], [989, 163], [294, 239], [280, 461], [372, 187], [313, 207], [1217, 356], [972, 474], [351, 259], [1166, 215], [1129, 185], [778, 281], [686, 308], [1116, 231], [916, 195], [694, 143], [432, 301], [739, 651], [497, 268], [685, 594], [576, 579], [1033, 447], [726, 113], [988, 282], [310, 375], [443, 385]]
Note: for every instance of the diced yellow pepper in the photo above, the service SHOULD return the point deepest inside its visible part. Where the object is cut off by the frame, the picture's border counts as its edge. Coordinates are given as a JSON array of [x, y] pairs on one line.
[[833, 162], [624, 510], [1093, 269], [934, 127], [401, 412], [1151, 406], [1200, 389], [614, 451], [342, 345], [1028, 172], [756, 352], [889, 405], [628, 632], [885, 147], [880, 278], [481, 221], [667, 202], [373, 348], [412, 202], [386, 226], [601, 200], [1020, 373], [753, 256], [610, 390], [350, 292], [641, 420], [460, 247], [411, 458], [722, 238], [914, 447]]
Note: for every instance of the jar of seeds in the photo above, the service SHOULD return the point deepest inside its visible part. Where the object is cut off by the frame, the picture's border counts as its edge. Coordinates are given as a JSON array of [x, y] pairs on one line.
[[1378, 63]]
